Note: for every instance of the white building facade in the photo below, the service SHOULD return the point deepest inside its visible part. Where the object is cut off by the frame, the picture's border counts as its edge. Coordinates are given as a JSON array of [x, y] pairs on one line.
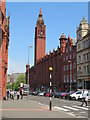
[[83, 55]]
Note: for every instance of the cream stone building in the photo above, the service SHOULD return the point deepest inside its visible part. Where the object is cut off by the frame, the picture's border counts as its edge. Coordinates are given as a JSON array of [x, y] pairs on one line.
[[83, 55]]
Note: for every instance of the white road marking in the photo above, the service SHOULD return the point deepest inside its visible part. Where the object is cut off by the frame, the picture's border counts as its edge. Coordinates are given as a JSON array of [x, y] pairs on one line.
[[59, 108], [81, 107], [71, 108]]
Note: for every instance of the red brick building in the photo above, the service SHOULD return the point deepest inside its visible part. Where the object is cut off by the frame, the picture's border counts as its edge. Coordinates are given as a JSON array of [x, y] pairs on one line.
[[63, 61], [4, 42]]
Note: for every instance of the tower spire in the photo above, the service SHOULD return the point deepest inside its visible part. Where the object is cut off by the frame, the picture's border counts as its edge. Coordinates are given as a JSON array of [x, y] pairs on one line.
[[40, 12]]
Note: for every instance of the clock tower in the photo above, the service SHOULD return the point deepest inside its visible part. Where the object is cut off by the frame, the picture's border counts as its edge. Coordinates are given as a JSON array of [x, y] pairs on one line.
[[40, 38]]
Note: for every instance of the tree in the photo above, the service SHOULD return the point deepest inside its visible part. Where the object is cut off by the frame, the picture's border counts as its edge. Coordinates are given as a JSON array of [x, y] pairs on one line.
[[20, 79]]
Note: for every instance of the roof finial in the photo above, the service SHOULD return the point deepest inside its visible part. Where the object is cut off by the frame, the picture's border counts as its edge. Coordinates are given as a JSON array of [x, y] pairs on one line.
[[83, 17], [40, 12]]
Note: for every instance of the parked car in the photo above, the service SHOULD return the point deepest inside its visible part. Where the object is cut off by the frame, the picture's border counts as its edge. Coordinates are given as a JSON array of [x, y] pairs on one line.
[[78, 95], [68, 95], [41, 94], [57, 94], [63, 94], [35, 93], [49, 95]]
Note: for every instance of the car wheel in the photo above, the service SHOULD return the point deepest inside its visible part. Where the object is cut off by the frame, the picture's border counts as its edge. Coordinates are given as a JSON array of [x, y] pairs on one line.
[[74, 98]]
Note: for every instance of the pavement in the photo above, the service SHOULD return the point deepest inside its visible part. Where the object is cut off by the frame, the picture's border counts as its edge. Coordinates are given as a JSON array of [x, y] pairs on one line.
[[38, 107]]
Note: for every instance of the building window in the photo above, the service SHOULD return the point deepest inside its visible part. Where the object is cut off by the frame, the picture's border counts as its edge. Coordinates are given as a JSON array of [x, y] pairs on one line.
[[43, 32], [71, 77], [84, 44], [67, 79], [70, 66], [66, 57], [67, 67], [66, 49], [87, 69], [70, 56], [79, 59], [74, 77], [64, 79], [78, 46], [87, 43], [70, 48], [64, 68], [74, 65], [84, 69], [87, 56], [74, 56], [84, 57]]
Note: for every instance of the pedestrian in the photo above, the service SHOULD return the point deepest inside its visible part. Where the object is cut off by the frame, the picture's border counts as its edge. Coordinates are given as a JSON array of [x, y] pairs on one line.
[[21, 93], [18, 94], [84, 96], [10, 93], [7, 95]]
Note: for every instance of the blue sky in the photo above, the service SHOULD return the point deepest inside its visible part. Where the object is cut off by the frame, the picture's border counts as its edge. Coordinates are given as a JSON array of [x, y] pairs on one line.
[[59, 17]]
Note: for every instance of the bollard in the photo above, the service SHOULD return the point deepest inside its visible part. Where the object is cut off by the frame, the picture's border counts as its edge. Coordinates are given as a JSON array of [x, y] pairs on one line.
[[50, 105]]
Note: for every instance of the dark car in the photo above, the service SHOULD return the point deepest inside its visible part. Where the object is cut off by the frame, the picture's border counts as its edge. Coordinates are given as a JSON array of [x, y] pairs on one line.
[[68, 95], [57, 94]]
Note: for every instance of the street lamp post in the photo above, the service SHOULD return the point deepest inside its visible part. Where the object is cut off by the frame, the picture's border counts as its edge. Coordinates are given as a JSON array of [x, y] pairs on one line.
[[69, 73], [50, 104], [28, 70]]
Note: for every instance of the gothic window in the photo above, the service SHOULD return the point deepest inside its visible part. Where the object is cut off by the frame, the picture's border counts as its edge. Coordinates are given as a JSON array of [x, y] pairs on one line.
[[66, 57], [67, 67], [70, 48], [71, 77], [74, 56], [70, 66], [66, 49], [64, 68], [67, 79], [70, 56], [43, 32], [74, 77], [74, 65]]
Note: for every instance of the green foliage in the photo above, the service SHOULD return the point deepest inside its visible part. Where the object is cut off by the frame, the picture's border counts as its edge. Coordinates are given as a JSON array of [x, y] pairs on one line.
[[8, 86], [16, 85], [20, 79]]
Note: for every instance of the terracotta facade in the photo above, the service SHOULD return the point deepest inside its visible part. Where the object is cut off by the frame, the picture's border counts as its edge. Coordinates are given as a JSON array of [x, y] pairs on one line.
[[4, 43], [39, 74]]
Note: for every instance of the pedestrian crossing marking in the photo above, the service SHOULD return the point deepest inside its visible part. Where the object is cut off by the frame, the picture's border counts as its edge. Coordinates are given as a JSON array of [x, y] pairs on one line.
[[63, 109], [71, 108], [81, 107]]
